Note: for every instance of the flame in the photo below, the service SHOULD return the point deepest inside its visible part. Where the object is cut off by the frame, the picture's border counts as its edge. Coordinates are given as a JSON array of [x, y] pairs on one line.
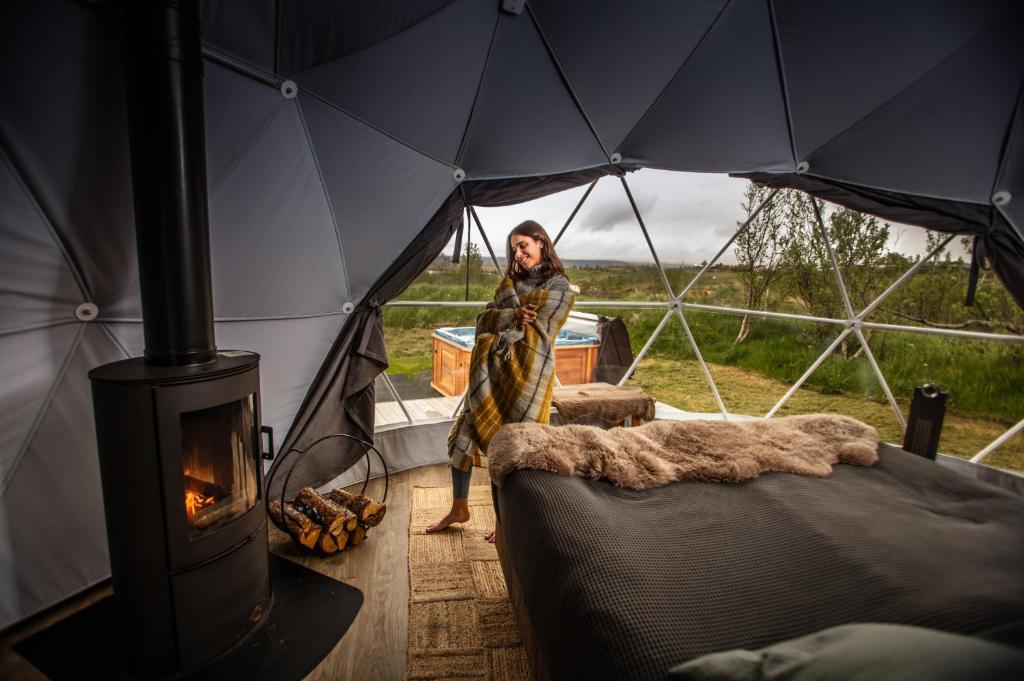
[[194, 502]]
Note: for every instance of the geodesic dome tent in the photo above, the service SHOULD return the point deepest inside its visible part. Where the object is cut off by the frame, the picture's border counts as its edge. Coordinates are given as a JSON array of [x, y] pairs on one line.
[[344, 139]]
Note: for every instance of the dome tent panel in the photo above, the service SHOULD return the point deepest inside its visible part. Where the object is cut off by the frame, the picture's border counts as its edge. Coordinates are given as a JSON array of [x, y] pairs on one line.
[[942, 135], [619, 56], [268, 211], [274, 249], [25, 385], [724, 109], [525, 121], [56, 544], [317, 31], [1008, 190], [62, 126], [381, 192], [237, 112], [37, 284], [248, 30], [433, 67], [291, 351], [844, 60]]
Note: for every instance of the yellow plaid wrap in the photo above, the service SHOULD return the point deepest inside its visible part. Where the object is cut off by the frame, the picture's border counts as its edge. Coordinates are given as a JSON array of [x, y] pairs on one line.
[[511, 370]]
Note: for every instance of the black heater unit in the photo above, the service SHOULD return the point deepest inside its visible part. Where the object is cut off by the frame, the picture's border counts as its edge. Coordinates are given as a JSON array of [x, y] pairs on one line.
[[183, 494], [178, 430]]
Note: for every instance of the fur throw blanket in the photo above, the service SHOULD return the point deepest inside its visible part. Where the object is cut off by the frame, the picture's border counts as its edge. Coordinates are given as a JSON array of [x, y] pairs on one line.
[[663, 452], [511, 370]]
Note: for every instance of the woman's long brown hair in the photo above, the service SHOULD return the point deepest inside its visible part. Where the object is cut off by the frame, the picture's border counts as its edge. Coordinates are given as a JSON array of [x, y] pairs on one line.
[[547, 251]]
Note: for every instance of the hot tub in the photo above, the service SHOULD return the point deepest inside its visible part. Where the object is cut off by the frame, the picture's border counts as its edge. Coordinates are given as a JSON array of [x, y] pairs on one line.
[[575, 358]]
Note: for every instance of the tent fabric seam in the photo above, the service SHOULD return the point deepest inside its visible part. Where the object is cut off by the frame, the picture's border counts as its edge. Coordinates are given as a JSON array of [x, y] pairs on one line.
[[139, 320], [780, 68], [388, 39], [240, 66], [1008, 139], [567, 171], [476, 95], [38, 326], [914, 195], [69, 260], [115, 340], [342, 110], [565, 79], [256, 139], [8, 475], [902, 91], [668, 84], [327, 195]]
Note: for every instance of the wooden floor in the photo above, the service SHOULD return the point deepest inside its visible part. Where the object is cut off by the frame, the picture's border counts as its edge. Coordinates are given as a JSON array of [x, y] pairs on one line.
[[374, 648]]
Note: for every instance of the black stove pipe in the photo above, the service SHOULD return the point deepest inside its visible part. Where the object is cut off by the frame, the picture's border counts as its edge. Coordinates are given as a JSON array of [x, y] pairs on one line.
[[164, 92]]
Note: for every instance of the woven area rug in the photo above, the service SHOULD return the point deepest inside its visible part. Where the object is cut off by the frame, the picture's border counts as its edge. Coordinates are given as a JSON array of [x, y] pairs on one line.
[[461, 622]]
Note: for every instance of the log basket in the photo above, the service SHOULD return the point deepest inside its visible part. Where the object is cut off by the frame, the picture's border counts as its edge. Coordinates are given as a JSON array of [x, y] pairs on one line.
[[300, 453]]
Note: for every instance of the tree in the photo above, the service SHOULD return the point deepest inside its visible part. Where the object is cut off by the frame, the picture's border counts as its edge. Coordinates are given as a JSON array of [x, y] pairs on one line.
[[759, 250], [859, 245], [936, 295], [474, 262]]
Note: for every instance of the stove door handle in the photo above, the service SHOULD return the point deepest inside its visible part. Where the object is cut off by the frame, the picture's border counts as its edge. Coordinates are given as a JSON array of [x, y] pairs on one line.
[[269, 454]]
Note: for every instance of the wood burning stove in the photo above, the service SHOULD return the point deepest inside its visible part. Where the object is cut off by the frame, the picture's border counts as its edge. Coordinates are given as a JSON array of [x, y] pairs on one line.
[[178, 430], [183, 492]]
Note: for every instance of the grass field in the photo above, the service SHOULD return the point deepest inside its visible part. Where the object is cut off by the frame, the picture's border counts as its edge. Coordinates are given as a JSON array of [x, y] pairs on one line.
[[983, 379]]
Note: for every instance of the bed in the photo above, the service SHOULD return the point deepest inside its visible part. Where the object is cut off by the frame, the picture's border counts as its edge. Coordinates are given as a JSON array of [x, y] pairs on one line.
[[611, 583]]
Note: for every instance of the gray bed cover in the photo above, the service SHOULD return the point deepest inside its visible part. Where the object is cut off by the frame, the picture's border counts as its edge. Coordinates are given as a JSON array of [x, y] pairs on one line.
[[622, 584]]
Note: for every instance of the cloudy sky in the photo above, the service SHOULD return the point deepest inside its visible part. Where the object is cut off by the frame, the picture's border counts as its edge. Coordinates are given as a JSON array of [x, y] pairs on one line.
[[688, 215]]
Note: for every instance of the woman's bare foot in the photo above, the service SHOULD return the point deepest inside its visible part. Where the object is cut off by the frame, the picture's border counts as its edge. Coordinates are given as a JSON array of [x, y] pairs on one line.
[[489, 537], [458, 514]]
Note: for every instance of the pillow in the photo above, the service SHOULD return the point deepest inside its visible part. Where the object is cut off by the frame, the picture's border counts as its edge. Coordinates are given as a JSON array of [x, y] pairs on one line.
[[862, 652]]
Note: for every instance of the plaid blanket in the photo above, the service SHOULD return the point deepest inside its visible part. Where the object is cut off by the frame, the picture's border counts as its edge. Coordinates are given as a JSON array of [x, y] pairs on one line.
[[511, 370]]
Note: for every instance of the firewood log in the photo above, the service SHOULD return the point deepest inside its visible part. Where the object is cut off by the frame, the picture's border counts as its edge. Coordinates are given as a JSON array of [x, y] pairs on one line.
[[358, 535], [342, 538], [300, 527], [335, 516], [327, 543], [369, 512]]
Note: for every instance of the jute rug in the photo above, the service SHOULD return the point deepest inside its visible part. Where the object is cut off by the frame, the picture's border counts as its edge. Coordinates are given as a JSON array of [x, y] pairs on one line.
[[461, 622]]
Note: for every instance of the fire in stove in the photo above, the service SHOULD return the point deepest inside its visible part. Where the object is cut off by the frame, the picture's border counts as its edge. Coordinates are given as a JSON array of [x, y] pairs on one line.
[[206, 503], [194, 502]]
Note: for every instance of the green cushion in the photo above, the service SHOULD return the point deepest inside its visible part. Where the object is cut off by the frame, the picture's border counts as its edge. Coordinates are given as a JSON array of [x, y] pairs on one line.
[[862, 652]]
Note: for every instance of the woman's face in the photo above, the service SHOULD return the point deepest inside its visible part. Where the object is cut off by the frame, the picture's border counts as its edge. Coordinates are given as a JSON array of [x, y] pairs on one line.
[[526, 250]]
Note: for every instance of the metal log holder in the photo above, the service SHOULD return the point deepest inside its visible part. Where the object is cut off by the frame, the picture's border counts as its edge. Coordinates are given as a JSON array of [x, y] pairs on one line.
[[301, 452]]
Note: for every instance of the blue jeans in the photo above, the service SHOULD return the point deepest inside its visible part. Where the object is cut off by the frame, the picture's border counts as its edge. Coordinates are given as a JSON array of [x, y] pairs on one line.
[[460, 482]]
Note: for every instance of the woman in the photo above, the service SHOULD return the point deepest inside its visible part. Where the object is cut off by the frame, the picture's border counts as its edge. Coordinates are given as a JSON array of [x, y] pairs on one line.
[[511, 371]]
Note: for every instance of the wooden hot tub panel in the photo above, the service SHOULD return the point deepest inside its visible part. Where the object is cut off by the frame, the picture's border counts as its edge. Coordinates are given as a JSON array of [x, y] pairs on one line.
[[573, 364]]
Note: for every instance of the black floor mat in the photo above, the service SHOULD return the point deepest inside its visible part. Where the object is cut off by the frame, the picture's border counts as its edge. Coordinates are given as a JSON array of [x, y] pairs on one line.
[[311, 613]]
